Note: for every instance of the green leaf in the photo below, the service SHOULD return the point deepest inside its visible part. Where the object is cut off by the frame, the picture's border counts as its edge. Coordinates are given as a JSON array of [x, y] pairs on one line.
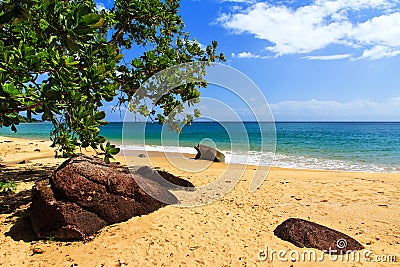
[[100, 115], [52, 38], [98, 24], [137, 63], [114, 150], [90, 19], [119, 57], [10, 89], [43, 24]]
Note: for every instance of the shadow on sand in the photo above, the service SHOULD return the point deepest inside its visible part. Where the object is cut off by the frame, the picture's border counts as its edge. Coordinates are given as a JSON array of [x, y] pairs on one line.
[[16, 205]]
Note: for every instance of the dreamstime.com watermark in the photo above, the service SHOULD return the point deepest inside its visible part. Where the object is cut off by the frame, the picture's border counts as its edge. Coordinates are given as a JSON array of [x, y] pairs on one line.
[[334, 255]]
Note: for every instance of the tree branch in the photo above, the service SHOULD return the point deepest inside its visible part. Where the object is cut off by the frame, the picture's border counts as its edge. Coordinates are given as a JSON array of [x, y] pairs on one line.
[[19, 109], [121, 30]]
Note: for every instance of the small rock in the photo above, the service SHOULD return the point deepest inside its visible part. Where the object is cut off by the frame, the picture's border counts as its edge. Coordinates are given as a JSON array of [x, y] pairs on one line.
[[209, 153], [22, 162], [37, 150], [37, 250], [141, 156]]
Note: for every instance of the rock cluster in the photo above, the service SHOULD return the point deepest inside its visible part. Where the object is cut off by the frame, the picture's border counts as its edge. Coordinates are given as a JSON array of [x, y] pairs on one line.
[[85, 194]]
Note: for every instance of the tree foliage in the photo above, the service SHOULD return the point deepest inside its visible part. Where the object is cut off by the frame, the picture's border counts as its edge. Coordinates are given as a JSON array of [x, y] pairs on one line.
[[63, 59]]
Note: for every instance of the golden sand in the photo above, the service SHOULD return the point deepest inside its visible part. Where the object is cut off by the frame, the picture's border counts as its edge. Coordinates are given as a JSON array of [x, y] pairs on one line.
[[228, 232]]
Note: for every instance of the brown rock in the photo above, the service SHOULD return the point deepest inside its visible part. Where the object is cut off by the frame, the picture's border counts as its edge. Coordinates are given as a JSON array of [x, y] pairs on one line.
[[86, 194], [164, 178], [60, 219], [38, 250], [308, 234], [209, 153]]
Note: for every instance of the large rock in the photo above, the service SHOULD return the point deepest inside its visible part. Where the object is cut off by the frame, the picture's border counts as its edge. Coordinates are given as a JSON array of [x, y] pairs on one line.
[[85, 194], [308, 234], [60, 219], [209, 153]]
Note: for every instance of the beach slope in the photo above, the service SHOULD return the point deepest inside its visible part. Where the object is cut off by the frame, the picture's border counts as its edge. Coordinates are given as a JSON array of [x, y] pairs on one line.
[[230, 231]]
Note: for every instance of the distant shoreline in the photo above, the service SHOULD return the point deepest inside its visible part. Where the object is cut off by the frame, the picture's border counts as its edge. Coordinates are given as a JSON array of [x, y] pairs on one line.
[[160, 153], [344, 146]]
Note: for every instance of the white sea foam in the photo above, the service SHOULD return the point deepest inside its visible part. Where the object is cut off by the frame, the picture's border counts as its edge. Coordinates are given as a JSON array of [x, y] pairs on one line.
[[277, 160], [173, 149]]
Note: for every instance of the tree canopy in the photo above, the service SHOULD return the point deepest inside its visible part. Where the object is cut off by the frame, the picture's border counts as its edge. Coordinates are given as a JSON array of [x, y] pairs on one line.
[[62, 60]]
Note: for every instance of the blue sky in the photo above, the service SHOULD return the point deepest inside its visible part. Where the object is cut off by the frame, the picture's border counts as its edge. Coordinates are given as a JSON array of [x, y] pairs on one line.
[[328, 60]]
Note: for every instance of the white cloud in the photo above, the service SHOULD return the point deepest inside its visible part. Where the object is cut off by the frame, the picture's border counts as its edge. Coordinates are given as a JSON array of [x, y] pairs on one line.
[[100, 6], [318, 25], [378, 52], [333, 6], [330, 57], [358, 110], [384, 30], [249, 55]]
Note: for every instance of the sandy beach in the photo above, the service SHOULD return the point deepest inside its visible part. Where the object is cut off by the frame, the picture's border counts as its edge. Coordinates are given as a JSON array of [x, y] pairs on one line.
[[227, 232]]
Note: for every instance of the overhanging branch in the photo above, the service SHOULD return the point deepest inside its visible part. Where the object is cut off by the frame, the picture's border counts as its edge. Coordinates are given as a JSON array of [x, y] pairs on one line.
[[19, 109]]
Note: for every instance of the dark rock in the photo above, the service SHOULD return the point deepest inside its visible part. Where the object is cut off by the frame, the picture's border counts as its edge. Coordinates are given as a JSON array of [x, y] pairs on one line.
[[164, 178], [60, 219], [38, 250], [141, 156], [209, 153], [308, 234], [86, 194]]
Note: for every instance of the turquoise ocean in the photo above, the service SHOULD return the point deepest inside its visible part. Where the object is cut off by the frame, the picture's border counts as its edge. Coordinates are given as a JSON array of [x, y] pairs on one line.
[[348, 146]]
